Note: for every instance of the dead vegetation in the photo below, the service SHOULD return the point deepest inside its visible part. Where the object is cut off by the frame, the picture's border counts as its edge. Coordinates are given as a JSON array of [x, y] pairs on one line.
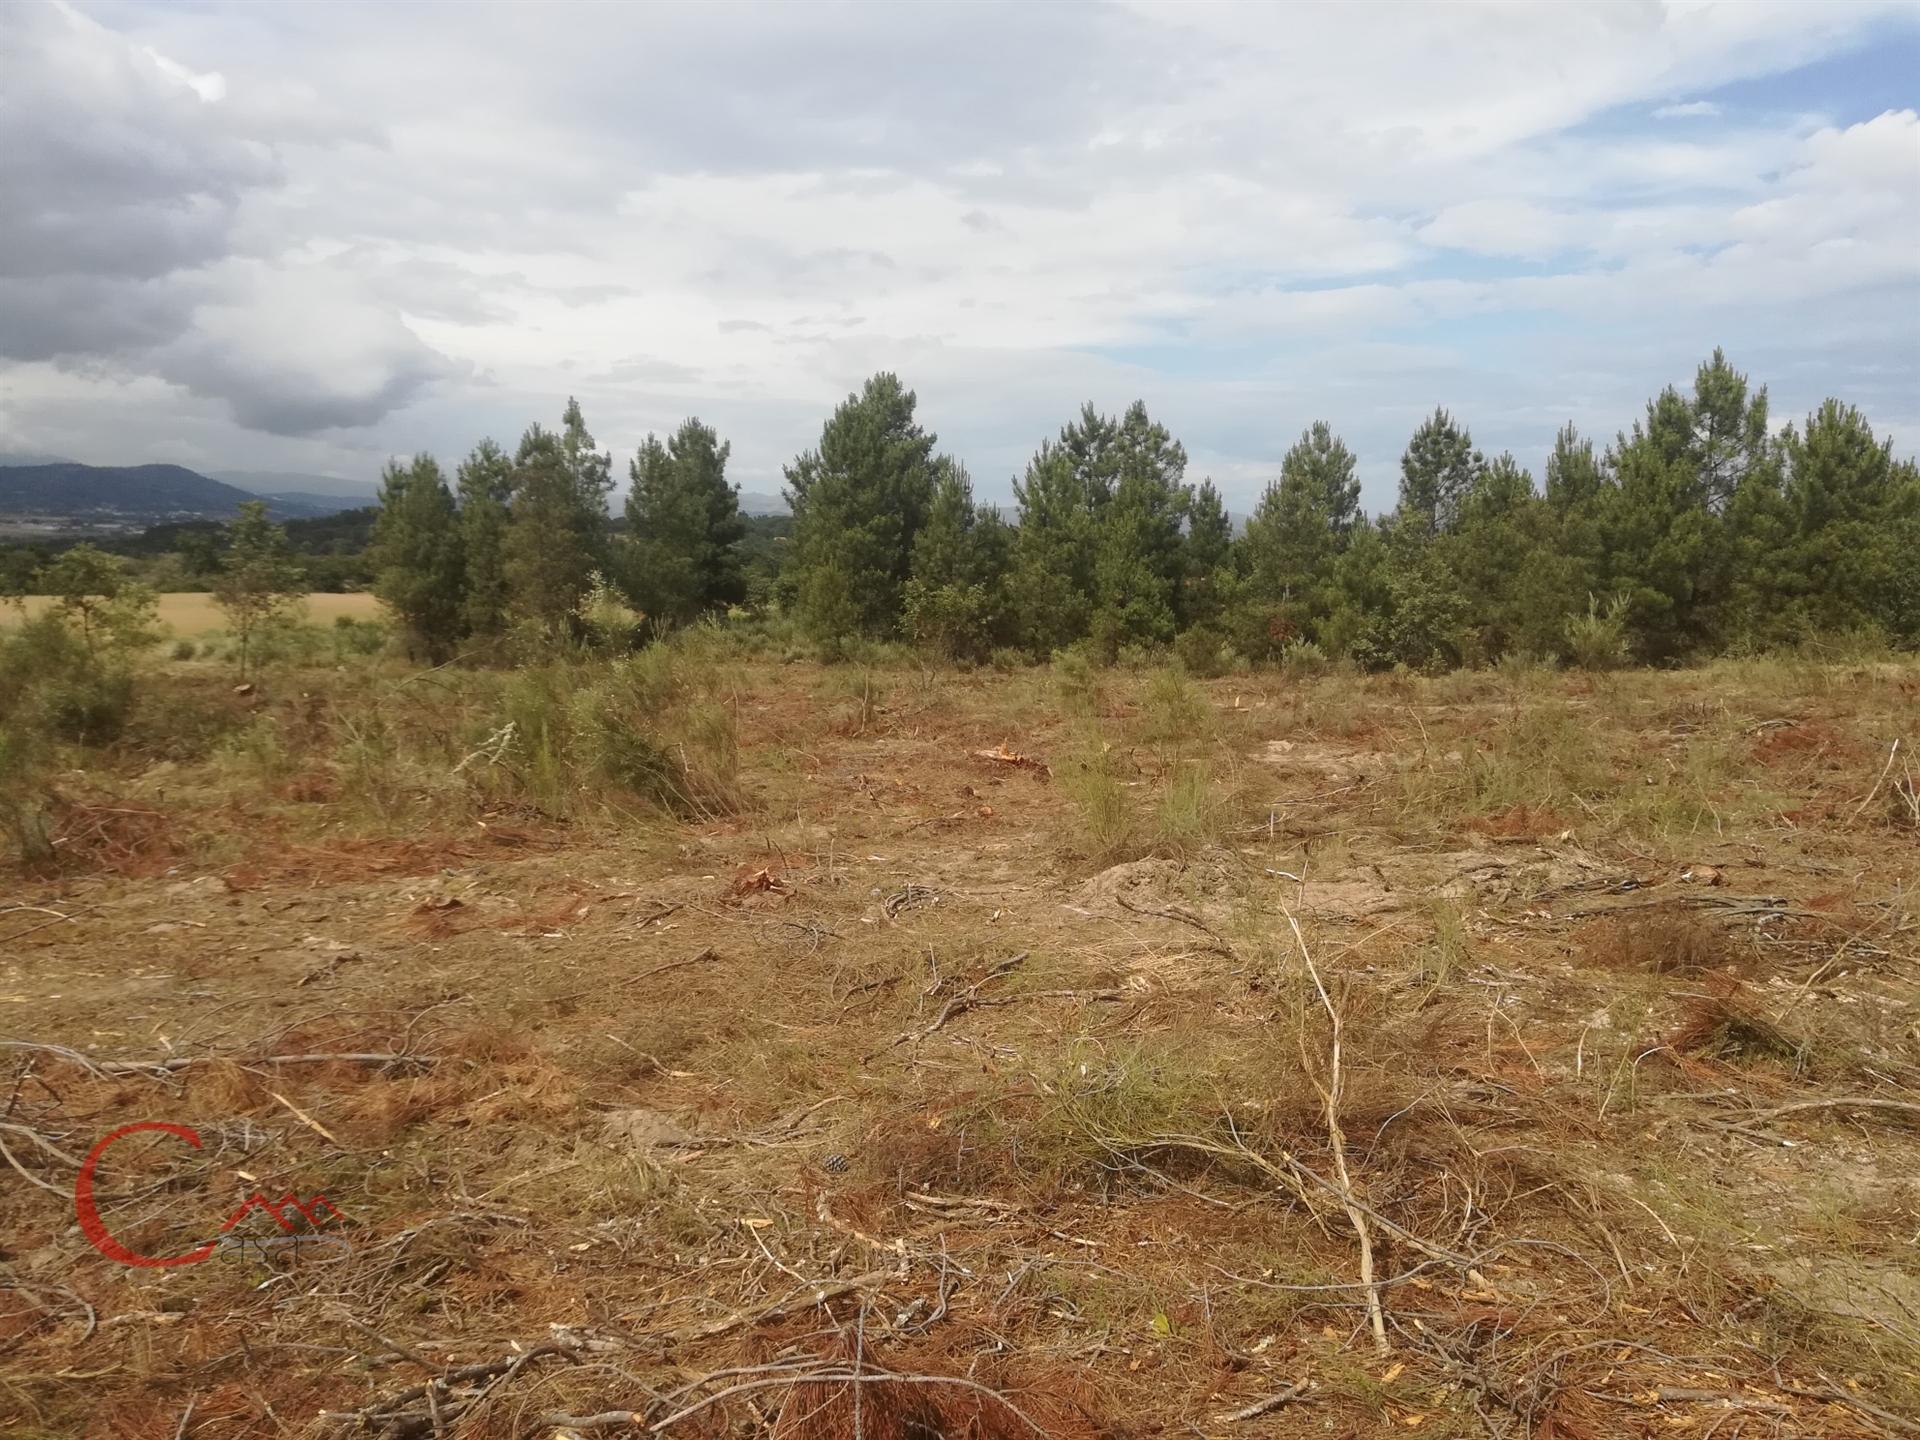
[[998, 1056]]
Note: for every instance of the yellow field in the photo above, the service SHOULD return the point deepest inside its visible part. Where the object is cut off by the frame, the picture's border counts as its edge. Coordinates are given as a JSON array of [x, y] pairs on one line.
[[193, 613]]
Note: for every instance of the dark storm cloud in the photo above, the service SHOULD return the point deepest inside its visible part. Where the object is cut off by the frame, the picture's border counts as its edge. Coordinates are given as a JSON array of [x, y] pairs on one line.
[[113, 167], [123, 195]]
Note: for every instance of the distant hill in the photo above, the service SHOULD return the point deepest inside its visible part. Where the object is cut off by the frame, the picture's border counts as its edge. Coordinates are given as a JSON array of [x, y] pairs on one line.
[[302, 501], [157, 492], [301, 485], [30, 457], [758, 502]]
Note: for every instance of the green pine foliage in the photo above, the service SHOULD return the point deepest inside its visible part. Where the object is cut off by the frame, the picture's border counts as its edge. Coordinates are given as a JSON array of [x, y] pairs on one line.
[[956, 595], [486, 492], [1138, 567], [859, 500], [419, 563], [1209, 554], [1293, 545], [1054, 545], [1437, 472], [682, 555], [1701, 528], [554, 537]]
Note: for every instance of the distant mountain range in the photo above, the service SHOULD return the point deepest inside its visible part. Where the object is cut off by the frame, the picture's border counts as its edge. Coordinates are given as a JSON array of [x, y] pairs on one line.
[[299, 485], [127, 493], [47, 486]]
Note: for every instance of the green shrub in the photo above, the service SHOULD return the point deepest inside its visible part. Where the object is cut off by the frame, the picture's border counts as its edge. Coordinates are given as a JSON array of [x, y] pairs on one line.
[[1175, 710], [89, 707], [1597, 640], [1093, 781], [1078, 679], [357, 638], [1302, 659], [24, 820], [1206, 652], [1190, 812], [184, 650]]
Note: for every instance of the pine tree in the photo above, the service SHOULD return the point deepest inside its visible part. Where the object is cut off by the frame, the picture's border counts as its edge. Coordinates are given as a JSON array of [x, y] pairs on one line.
[[1506, 565], [552, 537], [1208, 555], [956, 595], [684, 527], [1855, 515], [1137, 562], [1054, 546], [1437, 471], [1294, 537], [486, 492], [1730, 439], [591, 472], [858, 501], [1360, 619], [417, 558], [259, 582]]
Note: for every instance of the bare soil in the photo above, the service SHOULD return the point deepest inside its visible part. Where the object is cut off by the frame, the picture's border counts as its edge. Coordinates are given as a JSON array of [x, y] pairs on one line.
[[893, 1100]]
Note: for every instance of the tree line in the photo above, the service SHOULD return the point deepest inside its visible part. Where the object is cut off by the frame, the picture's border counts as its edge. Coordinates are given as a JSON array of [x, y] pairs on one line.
[[1699, 529]]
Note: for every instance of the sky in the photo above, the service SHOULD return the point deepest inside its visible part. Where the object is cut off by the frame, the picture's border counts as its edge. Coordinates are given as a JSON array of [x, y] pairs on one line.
[[310, 237]]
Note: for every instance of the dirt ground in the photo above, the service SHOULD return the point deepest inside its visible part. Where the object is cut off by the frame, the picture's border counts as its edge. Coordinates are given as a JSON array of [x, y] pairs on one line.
[[1503, 1054]]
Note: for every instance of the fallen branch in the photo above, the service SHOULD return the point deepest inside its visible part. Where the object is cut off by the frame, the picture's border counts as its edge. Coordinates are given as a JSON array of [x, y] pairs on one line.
[[1330, 1094], [1180, 915], [1861, 808], [159, 1069], [1267, 1406], [760, 1315], [957, 1005], [705, 955], [395, 1414], [1840, 1102]]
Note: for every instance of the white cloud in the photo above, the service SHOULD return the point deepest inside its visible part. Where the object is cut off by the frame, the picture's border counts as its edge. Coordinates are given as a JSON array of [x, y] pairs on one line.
[[1687, 110], [360, 230]]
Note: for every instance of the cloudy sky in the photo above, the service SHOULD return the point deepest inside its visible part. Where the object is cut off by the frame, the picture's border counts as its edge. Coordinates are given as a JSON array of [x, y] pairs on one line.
[[304, 237]]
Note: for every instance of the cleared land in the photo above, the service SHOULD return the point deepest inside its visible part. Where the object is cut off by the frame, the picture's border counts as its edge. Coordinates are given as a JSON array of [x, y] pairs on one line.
[[964, 1030], [190, 613]]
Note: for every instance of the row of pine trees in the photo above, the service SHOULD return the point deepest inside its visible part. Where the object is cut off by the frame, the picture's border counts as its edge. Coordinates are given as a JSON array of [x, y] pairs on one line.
[[1700, 529]]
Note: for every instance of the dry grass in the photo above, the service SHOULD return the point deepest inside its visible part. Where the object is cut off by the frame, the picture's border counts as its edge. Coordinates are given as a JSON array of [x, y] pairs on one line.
[[192, 613], [1010, 1091]]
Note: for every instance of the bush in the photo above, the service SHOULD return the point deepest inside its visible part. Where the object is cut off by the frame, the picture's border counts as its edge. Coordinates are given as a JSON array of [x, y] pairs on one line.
[[1300, 659], [1598, 639], [1108, 822], [1190, 812], [184, 650], [1175, 708], [1082, 691], [1205, 651], [353, 637], [607, 624], [24, 818], [58, 689], [89, 707]]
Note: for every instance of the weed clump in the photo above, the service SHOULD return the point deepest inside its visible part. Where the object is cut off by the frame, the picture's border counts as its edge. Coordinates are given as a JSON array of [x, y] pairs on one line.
[[1723, 1029], [1671, 940], [1109, 820]]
